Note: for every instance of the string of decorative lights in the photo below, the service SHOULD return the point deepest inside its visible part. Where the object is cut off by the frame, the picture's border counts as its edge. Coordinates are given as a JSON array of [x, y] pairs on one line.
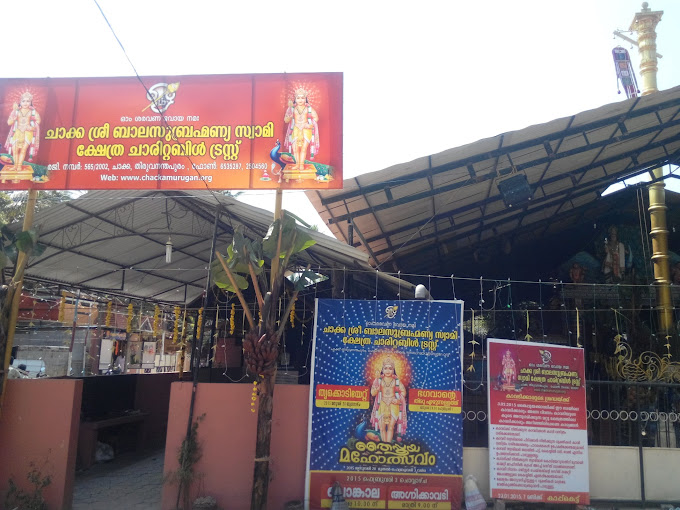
[[621, 315]]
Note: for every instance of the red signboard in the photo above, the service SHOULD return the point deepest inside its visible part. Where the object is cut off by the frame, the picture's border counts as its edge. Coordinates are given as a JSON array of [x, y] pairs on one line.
[[262, 131], [538, 439]]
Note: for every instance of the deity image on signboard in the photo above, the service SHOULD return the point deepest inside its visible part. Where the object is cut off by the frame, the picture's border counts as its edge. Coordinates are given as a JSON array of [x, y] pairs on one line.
[[388, 374], [302, 135], [507, 378], [387, 400], [389, 405], [234, 131], [301, 142], [23, 142]]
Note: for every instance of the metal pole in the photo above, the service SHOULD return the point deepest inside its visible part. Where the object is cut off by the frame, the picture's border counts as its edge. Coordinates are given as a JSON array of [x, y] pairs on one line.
[[86, 350], [641, 452], [73, 332], [350, 232], [162, 358], [198, 342], [211, 352]]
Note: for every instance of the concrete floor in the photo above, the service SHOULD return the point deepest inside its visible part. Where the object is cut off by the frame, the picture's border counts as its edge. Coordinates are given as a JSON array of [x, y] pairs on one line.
[[132, 481]]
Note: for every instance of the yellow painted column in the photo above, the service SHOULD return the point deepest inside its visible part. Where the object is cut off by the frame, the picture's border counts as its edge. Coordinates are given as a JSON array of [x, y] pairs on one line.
[[644, 24]]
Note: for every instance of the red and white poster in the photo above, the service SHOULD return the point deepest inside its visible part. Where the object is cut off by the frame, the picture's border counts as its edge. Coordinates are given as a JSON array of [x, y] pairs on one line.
[[538, 441]]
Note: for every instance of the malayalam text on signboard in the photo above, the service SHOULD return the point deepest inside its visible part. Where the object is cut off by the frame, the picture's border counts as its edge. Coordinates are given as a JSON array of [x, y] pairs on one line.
[[261, 131], [385, 406], [538, 439]]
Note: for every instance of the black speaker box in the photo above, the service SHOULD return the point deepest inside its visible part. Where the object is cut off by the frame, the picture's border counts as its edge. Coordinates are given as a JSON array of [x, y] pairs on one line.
[[515, 190]]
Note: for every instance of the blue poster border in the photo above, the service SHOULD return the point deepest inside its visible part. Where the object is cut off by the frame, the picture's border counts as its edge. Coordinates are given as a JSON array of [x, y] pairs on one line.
[[424, 340]]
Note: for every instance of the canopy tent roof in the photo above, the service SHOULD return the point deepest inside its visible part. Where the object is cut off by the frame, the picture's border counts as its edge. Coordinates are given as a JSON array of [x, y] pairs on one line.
[[416, 216], [115, 241]]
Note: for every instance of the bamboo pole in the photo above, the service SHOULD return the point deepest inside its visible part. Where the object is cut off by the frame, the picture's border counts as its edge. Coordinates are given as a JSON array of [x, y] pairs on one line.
[[278, 204]]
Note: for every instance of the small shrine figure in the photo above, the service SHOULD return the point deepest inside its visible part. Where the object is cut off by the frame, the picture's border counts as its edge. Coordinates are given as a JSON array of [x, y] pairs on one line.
[[577, 273], [614, 263]]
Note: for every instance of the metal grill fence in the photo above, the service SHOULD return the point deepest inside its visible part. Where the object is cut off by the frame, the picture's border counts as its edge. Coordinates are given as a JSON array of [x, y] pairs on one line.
[[619, 414]]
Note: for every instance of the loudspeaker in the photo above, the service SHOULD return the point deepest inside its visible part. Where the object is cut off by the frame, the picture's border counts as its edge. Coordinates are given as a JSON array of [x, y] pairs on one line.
[[515, 189]]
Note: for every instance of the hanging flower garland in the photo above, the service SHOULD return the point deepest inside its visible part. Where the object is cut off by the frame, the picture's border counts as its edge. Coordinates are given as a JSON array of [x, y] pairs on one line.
[[107, 320], [129, 318], [175, 329], [528, 337], [292, 314], [232, 319], [182, 343], [156, 320], [303, 320], [199, 323], [253, 397], [183, 334], [216, 334], [62, 305]]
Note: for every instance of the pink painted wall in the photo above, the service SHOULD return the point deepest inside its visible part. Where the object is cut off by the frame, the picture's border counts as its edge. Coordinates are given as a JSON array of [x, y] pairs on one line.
[[31, 433], [227, 435], [152, 395]]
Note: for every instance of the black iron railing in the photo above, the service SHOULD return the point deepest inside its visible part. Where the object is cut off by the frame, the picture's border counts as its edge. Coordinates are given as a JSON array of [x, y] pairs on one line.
[[619, 414]]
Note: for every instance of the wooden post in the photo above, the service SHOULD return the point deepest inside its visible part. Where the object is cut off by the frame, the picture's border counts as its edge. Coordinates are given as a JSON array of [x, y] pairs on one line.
[[277, 216]]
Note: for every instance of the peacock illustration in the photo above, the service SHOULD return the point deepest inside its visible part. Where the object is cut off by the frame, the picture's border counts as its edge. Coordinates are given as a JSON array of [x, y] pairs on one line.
[[278, 158], [281, 159]]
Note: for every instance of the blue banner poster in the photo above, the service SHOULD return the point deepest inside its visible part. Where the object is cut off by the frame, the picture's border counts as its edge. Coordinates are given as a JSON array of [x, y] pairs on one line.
[[385, 416]]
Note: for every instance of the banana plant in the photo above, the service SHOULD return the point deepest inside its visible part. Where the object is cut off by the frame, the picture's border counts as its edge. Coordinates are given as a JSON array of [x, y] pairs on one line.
[[14, 251], [244, 264]]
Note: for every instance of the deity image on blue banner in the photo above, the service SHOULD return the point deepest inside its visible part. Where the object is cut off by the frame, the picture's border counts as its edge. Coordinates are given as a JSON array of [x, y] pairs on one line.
[[386, 398]]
